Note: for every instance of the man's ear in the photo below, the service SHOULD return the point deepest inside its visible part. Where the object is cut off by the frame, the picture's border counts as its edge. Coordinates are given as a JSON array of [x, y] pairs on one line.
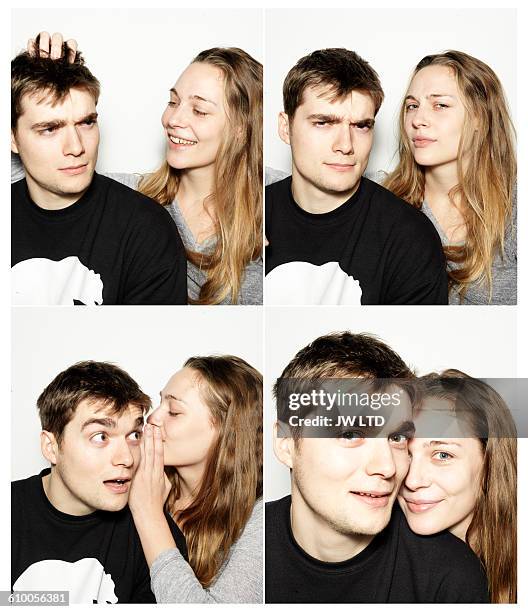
[[284, 448], [49, 446], [284, 127], [14, 147]]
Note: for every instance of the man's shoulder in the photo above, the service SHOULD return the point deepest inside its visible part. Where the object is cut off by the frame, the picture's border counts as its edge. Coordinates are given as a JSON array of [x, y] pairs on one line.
[[134, 203], [443, 550], [277, 507], [278, 188], [18, 487], [398, 214]]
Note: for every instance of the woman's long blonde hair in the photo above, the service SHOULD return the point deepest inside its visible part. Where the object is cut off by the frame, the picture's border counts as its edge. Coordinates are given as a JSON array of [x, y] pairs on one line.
[[237, 197], [487, 169], [492, 533], [232, 481]]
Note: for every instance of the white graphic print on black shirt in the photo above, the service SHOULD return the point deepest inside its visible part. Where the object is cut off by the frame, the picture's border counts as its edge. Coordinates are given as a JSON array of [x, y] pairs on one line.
[[112, 246], [85, 580], [373, 249]]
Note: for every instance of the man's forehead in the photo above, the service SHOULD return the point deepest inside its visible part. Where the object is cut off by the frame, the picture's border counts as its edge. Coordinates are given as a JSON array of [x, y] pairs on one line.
[[94, 408], [323, 98], [45, 106]]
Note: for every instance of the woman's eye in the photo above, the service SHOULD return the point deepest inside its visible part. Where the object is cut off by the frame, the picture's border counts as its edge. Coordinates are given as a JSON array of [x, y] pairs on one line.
[[198, 112], [442, 456], [410, 107]]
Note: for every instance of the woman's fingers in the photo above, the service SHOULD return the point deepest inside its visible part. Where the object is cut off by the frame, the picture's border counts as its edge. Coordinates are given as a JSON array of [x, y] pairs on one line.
[[149, 447], [158, 452]]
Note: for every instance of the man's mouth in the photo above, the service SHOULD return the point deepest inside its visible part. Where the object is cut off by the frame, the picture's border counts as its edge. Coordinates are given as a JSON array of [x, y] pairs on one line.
[[72, 170], [340, 167], [372, 498], [182, 141], [118, 485]]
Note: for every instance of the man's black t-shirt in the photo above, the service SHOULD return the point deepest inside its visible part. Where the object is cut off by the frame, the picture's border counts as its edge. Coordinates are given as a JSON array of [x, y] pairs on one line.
[[112, 246], [398, 566], [373, 249], [97, 557]]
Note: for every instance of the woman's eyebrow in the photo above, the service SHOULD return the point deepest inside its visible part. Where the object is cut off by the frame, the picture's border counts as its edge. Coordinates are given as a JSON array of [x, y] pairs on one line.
[[442, 443]]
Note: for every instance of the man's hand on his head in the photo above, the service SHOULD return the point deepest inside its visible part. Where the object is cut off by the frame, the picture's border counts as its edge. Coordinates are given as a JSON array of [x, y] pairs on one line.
[[52, 46]]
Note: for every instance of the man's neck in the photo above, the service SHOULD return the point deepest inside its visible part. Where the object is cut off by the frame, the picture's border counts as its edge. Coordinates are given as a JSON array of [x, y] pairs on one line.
[[314, 200], [58, 497], [48, 200], [319, 539]]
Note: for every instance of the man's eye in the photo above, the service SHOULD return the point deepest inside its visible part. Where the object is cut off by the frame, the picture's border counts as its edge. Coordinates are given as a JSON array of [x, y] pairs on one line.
[[351, 434], [135, 436], [49, 130], [398, 438], [99, 437], [321, 123]]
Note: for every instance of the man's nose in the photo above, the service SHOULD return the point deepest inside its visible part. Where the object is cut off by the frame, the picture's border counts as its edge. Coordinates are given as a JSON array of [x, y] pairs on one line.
[[344, 141], [73, 144], [381, 460], [122, 454]]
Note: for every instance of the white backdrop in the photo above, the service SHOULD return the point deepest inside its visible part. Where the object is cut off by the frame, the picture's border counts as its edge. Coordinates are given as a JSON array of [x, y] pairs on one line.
[[137, 55], [479, 341], [392, 41], [149, 343]]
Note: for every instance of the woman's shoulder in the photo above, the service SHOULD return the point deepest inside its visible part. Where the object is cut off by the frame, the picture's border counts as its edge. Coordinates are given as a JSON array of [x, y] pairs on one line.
[[125, 178]]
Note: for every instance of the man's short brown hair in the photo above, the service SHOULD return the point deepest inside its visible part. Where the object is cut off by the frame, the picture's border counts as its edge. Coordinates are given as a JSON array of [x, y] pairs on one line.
[[340, 70], [96, 381], [343, 355], [32, 74]]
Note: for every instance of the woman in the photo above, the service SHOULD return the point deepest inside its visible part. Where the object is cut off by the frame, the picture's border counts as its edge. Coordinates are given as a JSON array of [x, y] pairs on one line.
[[211, 180], [463, 474], [207, 431], [457, 164]]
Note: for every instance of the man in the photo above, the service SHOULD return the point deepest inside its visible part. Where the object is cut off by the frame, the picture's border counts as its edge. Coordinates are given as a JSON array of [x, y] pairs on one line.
[[339, 537], [78, 237], [71, 529], [335, 237]]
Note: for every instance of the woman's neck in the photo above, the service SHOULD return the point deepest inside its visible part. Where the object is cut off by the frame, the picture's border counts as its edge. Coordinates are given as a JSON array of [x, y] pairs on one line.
[[439, 181], [195, 185], [190, 479]]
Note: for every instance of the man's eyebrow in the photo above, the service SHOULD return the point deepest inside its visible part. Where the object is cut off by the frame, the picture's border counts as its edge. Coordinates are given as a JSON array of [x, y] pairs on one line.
[[325, 118], [336, 119], [406, 427], [59, 123], [43, 125], [105, 422], [89, 117]]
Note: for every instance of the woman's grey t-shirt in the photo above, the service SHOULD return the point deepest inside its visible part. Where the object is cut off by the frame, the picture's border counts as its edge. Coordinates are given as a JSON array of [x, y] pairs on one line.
[[251, 287], [503, 270], [239, 580]]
